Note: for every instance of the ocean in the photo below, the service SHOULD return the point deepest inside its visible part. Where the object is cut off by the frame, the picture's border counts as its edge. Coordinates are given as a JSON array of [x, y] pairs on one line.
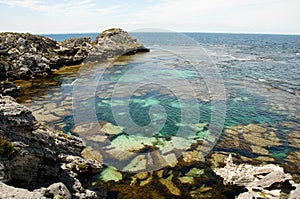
[[239, 93]]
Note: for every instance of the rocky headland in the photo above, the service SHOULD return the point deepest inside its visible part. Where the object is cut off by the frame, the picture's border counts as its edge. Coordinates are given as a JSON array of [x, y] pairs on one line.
[[36, 161], [25, 56]]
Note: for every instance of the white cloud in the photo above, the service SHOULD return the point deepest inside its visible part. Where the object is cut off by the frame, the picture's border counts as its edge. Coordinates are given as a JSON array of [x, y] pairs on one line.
[[178, 15], [220, 15], [67, 7]]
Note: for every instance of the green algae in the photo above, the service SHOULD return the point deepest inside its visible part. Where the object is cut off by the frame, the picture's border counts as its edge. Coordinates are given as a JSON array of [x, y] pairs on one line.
[[7, 149]]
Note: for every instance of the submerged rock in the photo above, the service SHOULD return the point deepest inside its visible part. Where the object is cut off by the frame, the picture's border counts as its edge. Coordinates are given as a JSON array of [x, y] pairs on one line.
[[249, 139], [267, 181], [172, 188], [34, 156]]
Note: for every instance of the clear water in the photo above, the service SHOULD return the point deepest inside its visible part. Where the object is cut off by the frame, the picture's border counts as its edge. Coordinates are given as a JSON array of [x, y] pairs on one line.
[[261, 75]]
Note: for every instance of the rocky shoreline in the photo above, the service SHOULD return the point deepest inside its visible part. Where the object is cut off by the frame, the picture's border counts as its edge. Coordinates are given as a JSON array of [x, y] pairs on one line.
[[25, 56], [38, 162], [32, 156]]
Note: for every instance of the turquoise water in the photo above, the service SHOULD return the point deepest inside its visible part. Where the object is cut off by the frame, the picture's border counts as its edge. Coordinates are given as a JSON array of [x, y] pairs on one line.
[[260, 75]]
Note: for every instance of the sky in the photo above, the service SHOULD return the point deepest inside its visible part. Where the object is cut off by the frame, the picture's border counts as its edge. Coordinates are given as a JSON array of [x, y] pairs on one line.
[[82, 16]]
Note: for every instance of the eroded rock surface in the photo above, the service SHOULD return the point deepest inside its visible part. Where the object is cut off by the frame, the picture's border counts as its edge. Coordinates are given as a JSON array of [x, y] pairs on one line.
[[24, 55], [267, 181], [114, 42], [33, 156]]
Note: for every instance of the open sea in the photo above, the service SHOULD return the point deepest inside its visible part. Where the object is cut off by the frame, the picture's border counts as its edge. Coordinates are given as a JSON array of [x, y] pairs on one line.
[[238, 93]]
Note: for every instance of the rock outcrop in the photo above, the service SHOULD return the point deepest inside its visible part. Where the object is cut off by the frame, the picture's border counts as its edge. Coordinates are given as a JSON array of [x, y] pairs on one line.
[[24, 56], [267, 181], [114, 42], [33, 156]]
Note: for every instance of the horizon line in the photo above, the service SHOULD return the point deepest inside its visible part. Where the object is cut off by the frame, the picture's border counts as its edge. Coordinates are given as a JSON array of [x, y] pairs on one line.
[[204, 32]]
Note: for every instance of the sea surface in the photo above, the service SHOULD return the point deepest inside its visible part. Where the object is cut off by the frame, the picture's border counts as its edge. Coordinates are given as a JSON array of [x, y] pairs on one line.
[[223, 81]]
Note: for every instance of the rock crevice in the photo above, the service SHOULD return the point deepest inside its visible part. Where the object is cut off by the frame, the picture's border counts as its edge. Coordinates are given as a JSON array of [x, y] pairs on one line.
[[39, 156]]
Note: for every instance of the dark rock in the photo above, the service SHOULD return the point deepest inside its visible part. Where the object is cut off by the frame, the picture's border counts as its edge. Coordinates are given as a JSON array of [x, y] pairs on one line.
[[9, 88]]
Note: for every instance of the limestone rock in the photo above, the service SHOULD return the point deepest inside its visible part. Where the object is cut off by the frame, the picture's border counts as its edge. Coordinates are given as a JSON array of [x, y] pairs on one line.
[[25, 56], [40, 155], [112, 43], [258, 180]]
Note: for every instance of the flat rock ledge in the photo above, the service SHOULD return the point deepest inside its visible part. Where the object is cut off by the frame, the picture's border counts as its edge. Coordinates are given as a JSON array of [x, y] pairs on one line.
[[267, 181], [36, 162]]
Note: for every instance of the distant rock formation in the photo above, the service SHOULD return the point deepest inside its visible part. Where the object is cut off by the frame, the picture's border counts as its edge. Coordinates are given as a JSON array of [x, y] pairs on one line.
[[114, 42], [23, 55], [33, 156], [267, 181]]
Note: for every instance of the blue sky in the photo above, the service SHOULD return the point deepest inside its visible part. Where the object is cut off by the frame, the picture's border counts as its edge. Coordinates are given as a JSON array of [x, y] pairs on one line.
[[72, 16]]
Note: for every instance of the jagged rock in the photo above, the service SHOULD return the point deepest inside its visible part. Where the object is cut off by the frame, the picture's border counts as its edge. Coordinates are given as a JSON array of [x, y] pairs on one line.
[[56, 190], [112, 43], [260, 181], [39, 155], [9, 192], [28, 55], [24, 56], [14, 115], [74, 50], [9, 88]]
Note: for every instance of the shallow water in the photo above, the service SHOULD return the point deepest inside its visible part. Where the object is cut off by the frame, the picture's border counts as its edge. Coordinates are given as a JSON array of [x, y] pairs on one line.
[[167, 95]]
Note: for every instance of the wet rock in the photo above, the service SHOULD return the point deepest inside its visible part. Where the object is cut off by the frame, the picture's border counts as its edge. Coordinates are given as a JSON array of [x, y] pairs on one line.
[[139, 163], [260, 181], [294, 158], [192, 156], [92, 154], [186, 180], [111, 174], [9, 88], [172, 188], [194, 172], [250, 139], [294, 139]]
